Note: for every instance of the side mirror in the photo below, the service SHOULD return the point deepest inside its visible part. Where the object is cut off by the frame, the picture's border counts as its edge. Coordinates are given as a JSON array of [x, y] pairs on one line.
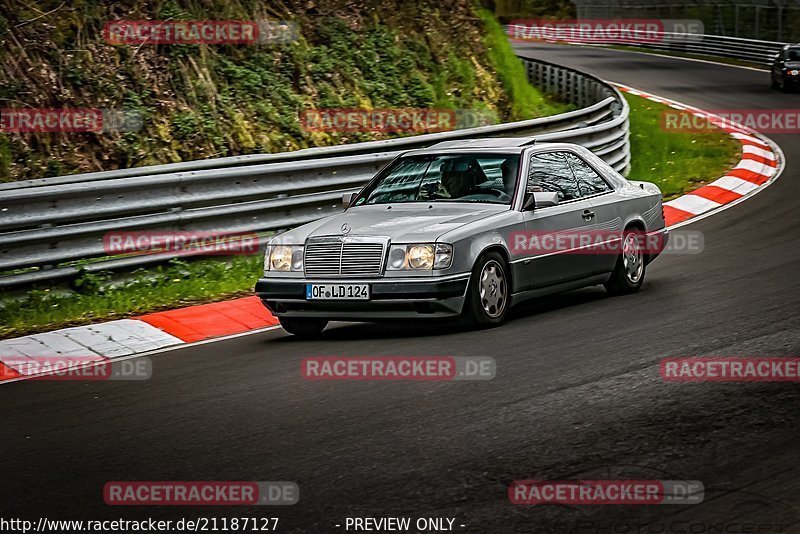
[[348, 199], [540, 199]]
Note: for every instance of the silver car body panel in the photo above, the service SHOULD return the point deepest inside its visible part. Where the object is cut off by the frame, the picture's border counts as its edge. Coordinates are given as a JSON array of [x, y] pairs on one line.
[[474, 228]]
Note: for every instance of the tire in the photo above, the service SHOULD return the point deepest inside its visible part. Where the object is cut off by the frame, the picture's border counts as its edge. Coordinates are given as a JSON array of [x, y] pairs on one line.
[[489, 293], [302, 327], [775, 84], [628, 274]]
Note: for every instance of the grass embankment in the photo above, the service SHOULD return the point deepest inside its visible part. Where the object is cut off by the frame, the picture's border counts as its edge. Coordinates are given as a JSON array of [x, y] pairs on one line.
[[676, 162], [205, 101]]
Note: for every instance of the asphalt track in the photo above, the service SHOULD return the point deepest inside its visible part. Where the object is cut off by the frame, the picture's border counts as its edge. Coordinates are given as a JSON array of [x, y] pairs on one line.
[[577, 392]]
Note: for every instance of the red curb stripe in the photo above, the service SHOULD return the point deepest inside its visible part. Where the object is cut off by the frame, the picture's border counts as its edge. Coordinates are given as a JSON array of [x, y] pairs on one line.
[[205, 321], [756, 144], [674, 215], [7, 373], [717, 194], [760, 159], [749, 176]]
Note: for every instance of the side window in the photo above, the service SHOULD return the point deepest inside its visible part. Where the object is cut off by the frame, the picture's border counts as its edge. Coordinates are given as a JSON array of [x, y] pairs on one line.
[[551, 172], [589, 182]]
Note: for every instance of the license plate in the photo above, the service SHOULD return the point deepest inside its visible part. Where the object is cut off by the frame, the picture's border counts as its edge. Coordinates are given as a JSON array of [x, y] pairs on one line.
[[337, 291]]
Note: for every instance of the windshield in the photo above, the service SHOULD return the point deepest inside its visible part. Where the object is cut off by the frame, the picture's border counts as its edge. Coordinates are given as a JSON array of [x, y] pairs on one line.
[[485, 178], [793, 54]]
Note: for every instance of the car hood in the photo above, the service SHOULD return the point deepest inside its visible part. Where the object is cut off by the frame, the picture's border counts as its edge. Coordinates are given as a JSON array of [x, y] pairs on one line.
[[401, 223]]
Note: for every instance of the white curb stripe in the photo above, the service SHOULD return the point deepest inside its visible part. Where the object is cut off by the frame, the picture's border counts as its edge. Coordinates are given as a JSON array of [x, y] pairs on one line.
[[737, 185], [111, 339], [756, 151], [745, 137], [754, 166], [694, 204]]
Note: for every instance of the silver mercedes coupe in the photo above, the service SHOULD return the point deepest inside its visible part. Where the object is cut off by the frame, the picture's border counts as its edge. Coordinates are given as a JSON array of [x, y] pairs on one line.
[[466, 228]]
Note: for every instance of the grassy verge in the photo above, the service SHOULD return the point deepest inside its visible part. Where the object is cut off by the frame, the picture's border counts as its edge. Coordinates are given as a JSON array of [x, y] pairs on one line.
[[677, 162], [93, 298]]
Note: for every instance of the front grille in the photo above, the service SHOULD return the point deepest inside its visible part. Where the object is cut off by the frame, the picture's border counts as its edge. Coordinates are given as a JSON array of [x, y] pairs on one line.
[[348, 257]]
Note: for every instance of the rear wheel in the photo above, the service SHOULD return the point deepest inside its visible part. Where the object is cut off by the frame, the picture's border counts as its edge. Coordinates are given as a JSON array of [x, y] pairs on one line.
[[303, 327], [628, 274], [489, 292]]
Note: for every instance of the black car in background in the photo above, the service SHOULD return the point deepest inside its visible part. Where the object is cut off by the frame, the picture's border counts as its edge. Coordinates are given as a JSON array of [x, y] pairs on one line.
[[786, 68]]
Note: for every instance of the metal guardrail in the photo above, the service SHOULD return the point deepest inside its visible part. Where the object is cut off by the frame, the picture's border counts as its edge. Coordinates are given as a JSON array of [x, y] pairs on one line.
[[760, 52], [53, 228]]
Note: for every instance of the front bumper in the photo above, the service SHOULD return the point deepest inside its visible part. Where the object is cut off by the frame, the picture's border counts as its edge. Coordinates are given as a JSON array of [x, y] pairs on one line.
[[389, 298], [791, 79]]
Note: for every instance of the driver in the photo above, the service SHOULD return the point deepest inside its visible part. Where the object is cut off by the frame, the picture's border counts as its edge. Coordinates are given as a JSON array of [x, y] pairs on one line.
[[509, 169], [458, 178]]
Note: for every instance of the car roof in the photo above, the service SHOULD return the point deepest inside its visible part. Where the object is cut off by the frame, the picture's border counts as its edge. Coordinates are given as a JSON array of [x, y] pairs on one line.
[[494, 145], [486, 142]]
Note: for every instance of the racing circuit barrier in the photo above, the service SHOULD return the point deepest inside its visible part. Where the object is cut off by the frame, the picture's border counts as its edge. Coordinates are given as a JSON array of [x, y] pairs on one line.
[[761, 52], [53, 228]]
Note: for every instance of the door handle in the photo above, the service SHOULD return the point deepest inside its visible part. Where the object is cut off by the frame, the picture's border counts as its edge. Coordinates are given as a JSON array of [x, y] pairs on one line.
[[588, 215]]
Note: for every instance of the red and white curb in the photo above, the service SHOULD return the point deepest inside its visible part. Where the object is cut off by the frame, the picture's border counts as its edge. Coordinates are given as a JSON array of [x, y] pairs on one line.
[[760, 165], [128, 337]]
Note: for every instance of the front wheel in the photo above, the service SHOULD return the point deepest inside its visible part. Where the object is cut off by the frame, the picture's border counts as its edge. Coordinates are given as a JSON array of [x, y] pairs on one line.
[[489, 291], [303, 327], [628, 274]]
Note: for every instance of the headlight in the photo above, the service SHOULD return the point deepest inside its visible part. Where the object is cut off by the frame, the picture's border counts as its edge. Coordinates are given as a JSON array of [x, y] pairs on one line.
[[795, 72], [421, 256], [284, 258]]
